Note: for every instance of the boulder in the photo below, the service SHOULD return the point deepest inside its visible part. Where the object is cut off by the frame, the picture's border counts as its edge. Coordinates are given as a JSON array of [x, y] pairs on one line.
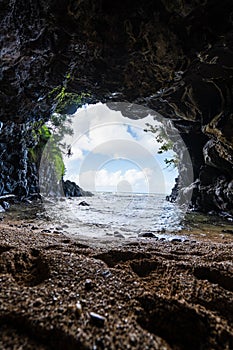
[[71, 189]]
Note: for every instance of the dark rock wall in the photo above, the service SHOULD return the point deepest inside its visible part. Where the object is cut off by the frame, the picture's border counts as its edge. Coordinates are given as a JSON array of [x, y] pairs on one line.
[[18, 173], [170, 55]]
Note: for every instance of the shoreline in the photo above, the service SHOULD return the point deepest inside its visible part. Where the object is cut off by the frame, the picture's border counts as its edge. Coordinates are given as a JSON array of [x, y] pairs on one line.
[[60, 292], [194, 226]]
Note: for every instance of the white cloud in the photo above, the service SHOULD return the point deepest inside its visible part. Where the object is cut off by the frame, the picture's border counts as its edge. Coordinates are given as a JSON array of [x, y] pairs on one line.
[[101, 135], [134, 180], [97, 125]]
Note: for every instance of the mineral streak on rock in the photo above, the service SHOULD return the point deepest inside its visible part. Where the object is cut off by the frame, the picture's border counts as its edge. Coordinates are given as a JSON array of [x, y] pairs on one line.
[[175, 57]]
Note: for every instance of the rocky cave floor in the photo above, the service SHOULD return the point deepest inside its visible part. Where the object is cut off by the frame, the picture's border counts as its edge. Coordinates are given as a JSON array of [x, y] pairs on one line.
[[58, 292]]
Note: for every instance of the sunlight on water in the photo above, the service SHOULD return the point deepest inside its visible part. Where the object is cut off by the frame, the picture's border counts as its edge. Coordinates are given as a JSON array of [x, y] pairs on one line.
[[111, 214], [114, 216]]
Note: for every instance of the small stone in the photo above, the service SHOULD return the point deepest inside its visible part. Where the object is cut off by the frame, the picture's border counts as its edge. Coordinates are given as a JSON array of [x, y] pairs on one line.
[[176, 240], [78, 310], [84, 204], [147, 235], [133, 339], [97, 319], [65, 226], [88, 284], [106, 273], [228, 231]]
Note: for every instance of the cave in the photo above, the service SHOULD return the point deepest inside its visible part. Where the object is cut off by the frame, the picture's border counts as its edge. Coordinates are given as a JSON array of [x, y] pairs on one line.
[[174, 57]]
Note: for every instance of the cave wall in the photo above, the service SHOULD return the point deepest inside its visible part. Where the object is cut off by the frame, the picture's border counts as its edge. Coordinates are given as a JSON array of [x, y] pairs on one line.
[[173, 56]]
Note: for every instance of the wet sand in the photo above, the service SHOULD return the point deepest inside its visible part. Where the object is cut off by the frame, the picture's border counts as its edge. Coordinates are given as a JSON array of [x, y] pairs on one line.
[[58, 292]]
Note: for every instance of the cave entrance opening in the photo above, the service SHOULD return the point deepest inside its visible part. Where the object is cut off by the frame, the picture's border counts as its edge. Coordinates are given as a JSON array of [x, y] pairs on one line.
[[113, 152], [112, 149]]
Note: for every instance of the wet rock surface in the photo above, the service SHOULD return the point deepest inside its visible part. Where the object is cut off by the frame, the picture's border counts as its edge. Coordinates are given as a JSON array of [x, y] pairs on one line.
[[61, 293], [173, 57], [71, 189]]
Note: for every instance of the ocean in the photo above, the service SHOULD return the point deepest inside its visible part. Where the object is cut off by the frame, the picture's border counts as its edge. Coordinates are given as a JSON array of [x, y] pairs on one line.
[[119, 215]]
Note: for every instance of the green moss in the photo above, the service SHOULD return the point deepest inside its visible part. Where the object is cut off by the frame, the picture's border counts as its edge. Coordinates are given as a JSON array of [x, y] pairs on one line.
[[58, 164], [55, 91], [53, 153], [67, 102]]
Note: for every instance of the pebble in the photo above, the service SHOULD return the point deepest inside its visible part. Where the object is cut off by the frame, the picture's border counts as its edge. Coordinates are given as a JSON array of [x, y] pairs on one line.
[[227, 231], [46, 231], [58, 228], [97, 319], [84, 204], [133, 339], [106, 273], [147, 235], [78, 310], [65, 226], [176, 240]]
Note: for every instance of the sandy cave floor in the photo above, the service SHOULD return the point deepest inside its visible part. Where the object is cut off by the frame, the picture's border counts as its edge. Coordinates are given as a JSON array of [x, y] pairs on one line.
[[58, 292]]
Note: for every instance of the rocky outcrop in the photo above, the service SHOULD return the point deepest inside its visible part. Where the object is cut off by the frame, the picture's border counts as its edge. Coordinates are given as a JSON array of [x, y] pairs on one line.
[[72, 190], [175, 57]]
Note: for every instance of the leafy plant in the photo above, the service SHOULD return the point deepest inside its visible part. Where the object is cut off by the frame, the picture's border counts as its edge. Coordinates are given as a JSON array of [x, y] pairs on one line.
[[67, 102], [53, 155], [166, 143], [52, 133]]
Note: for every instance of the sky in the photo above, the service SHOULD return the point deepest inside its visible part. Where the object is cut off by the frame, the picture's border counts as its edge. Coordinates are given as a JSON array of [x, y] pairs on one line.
[[114, 153]]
